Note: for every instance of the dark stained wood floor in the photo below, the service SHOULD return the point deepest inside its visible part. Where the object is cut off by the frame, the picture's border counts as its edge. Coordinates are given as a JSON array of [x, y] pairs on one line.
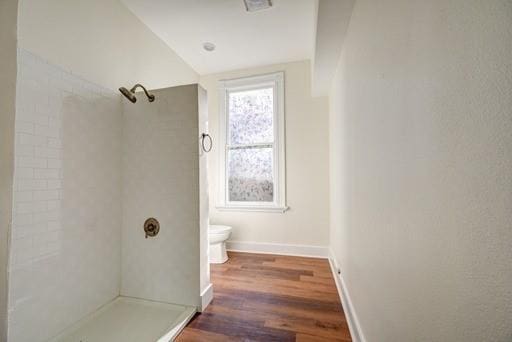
[[262, 297]]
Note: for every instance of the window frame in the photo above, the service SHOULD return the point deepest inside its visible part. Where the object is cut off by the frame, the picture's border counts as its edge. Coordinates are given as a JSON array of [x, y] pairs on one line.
[[276, 82]]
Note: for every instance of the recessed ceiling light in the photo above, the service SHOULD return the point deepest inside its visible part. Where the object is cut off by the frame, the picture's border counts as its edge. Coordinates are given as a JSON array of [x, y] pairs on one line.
[[256, 5], [209, 46]]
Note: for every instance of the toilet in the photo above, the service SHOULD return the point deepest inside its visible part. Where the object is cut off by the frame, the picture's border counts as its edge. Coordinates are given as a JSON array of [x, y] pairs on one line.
[[218, 236]]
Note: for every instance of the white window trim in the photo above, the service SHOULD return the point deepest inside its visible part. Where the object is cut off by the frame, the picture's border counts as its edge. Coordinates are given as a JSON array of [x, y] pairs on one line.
[[276, 81]]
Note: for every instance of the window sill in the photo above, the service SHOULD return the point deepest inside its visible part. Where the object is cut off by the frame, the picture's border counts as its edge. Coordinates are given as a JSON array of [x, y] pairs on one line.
[[254, 209]]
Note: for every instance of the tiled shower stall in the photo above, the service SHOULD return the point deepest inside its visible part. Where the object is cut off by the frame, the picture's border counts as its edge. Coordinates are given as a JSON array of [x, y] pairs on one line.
[[90, 168]]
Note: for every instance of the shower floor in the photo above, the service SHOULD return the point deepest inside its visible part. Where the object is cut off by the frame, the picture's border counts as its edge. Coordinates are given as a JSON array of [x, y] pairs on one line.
[[130, 320]]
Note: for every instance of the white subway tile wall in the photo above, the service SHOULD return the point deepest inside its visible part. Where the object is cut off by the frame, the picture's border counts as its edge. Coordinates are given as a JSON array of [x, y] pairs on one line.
[[65, 240]]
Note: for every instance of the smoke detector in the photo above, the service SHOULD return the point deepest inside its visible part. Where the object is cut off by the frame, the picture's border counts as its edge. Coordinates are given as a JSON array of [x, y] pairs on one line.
[[257, 5]]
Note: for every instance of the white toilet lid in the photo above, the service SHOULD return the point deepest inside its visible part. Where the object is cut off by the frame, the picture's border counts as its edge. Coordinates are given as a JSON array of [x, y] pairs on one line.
[[217, 229]]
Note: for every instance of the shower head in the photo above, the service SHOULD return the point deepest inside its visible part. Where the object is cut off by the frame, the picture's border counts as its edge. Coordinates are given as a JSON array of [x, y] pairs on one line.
[[130, 94]]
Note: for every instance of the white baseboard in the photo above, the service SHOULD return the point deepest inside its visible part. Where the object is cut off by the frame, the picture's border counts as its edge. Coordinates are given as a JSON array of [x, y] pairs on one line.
[[276, 248], [206, 297], [350, 314]]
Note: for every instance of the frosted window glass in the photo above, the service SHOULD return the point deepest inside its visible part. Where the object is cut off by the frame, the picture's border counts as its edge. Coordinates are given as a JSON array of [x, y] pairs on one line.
[[251, 116], [250, 175]]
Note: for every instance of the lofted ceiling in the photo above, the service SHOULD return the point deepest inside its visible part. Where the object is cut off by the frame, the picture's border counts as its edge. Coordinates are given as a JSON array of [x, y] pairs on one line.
[[283, 33]]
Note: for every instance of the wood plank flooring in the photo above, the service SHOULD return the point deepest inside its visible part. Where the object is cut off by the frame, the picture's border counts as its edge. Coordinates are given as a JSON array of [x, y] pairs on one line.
[[262, 297]]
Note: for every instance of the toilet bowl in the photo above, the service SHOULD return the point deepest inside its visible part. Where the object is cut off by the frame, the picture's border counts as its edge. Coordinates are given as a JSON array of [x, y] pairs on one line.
[[218, 236]]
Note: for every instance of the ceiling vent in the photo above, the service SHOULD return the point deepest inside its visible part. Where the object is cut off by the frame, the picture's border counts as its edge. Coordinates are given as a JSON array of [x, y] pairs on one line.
[[257, 5]]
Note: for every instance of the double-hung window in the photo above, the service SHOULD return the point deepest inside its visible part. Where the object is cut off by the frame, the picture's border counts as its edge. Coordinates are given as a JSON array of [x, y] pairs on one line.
[[252, 160]]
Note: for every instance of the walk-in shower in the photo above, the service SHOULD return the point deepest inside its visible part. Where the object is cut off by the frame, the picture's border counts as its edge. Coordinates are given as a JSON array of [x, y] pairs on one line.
[[80, 265], [130, 94]]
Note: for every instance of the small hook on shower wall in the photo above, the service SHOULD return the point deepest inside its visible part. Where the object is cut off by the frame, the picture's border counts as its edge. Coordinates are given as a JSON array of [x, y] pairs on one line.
[[210, 144], [130, 94]]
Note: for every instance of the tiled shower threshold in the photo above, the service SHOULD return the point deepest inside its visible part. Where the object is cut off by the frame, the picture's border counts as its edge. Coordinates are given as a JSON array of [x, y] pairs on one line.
[[128, 319]]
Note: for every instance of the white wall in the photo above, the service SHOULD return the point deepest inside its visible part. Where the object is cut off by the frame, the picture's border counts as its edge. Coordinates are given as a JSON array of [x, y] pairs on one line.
[[102, 41], [161, 180], [421, 160], [65, 238], [8, 44], [204, 196], [306, 223], [332, 20]]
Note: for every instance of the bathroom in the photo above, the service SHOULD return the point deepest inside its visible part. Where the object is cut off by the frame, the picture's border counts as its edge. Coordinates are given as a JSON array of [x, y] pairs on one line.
[[255, 170], [111, 190]]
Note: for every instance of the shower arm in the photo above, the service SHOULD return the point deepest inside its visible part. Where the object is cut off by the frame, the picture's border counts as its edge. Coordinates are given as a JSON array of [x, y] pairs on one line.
[[138, 85]]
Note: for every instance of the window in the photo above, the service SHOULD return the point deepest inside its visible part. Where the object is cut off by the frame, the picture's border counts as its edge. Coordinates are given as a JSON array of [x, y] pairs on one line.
[[252, 163]]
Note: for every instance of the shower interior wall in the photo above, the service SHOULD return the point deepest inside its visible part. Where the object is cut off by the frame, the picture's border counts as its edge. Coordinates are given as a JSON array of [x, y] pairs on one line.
[[86, 177], [162, 180]]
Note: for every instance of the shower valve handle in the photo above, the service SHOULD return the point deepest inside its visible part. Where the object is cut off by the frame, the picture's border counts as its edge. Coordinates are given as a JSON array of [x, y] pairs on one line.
[[151, 227]]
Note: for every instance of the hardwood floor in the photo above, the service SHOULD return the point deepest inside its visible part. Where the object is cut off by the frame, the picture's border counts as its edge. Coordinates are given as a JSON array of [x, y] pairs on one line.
[[262, 297]]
